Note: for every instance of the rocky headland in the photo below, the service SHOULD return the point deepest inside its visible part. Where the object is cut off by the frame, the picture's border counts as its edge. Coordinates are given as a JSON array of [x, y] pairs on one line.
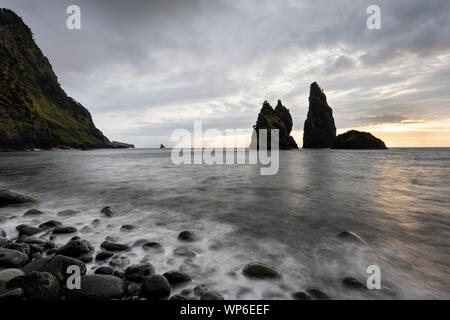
[[35, 112]]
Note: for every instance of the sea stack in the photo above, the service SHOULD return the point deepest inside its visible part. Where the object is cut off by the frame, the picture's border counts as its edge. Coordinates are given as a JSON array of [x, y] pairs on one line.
[[278, 118], [319, 130]]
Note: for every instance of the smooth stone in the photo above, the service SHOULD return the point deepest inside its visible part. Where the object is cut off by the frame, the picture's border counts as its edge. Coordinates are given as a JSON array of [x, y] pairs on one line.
[[184, 252], [4, 243], [56, 265], [21, 247], [153, 246], [112, 246], [178, 297], [31, 240], [8, 274], [318, 293], [2, 232], [64, 230], [35, 248], [37, 285], [127, 227], [120, 262], [155, 287], [177, 277], [86, 258], [50, 224], [99, 287], [103, 255], [300, 296], [137, 273], [96, 222], [187, 236], [33, 212], [211, 295], [352, 237], [68, 213], [26, 230], [14, 294], [199, 290], [261, 271], [75, 248], [8, 197], [104, 270], [353, 283], [11, 258], [107, 211]]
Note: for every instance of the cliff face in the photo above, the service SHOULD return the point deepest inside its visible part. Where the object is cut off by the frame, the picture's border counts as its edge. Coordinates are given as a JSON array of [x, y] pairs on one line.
[[34, 110], [278, 118], [319, 130]]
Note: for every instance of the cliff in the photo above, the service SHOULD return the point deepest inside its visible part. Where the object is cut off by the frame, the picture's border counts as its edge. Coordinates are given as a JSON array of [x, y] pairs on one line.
[[35, 112], [278, 118]]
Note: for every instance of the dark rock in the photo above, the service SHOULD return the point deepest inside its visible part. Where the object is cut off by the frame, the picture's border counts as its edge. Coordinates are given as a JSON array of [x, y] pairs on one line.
[[37, 285], [119, 274], [353, 283], [354, 139], [300, 296], [86, 229], [177, 277], [68, 213], [127, 227], [2, 233], [319, 130], [111, 246], [352, 237], [26, 230], [107, 211], [33, 212], [184, 252], [187, 236], [98, 287], [56, 265], [31, 240], [8, 197], [178, 297], [137, 273], [261, 271], [64, 230], [103, 255], [200, 289], [14, 294], [120, 262], [268, 119], [75, 248], [86, 258], [104, 270], [318, 293], [153, 246], [96, 222], [155, 287], [50, 224], [11, 258], [34, 248], [211, 295]]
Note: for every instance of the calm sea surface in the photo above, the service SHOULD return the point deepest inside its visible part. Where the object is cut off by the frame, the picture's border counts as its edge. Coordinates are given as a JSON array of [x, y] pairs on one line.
[[397, 200]]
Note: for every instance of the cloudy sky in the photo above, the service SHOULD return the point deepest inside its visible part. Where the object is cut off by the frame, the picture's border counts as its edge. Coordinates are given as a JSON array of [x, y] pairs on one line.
[[145, 68]]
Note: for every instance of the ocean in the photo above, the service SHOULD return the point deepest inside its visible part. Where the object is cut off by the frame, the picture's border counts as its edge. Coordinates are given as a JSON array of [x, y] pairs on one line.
[[397, 200]]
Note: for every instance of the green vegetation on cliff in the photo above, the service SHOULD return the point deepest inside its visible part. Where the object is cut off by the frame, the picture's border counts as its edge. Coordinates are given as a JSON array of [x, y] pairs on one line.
[[34, 110]]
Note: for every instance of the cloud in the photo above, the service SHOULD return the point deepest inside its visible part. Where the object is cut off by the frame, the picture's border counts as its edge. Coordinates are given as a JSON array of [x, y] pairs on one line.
[[142, 67]]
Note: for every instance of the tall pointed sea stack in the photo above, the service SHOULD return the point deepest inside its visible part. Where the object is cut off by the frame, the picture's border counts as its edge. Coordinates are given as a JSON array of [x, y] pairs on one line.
[[278, 118], [319, 130]]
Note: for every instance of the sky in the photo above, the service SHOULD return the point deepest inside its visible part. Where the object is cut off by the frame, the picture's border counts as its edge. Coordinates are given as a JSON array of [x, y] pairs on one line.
[[146, 68]]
